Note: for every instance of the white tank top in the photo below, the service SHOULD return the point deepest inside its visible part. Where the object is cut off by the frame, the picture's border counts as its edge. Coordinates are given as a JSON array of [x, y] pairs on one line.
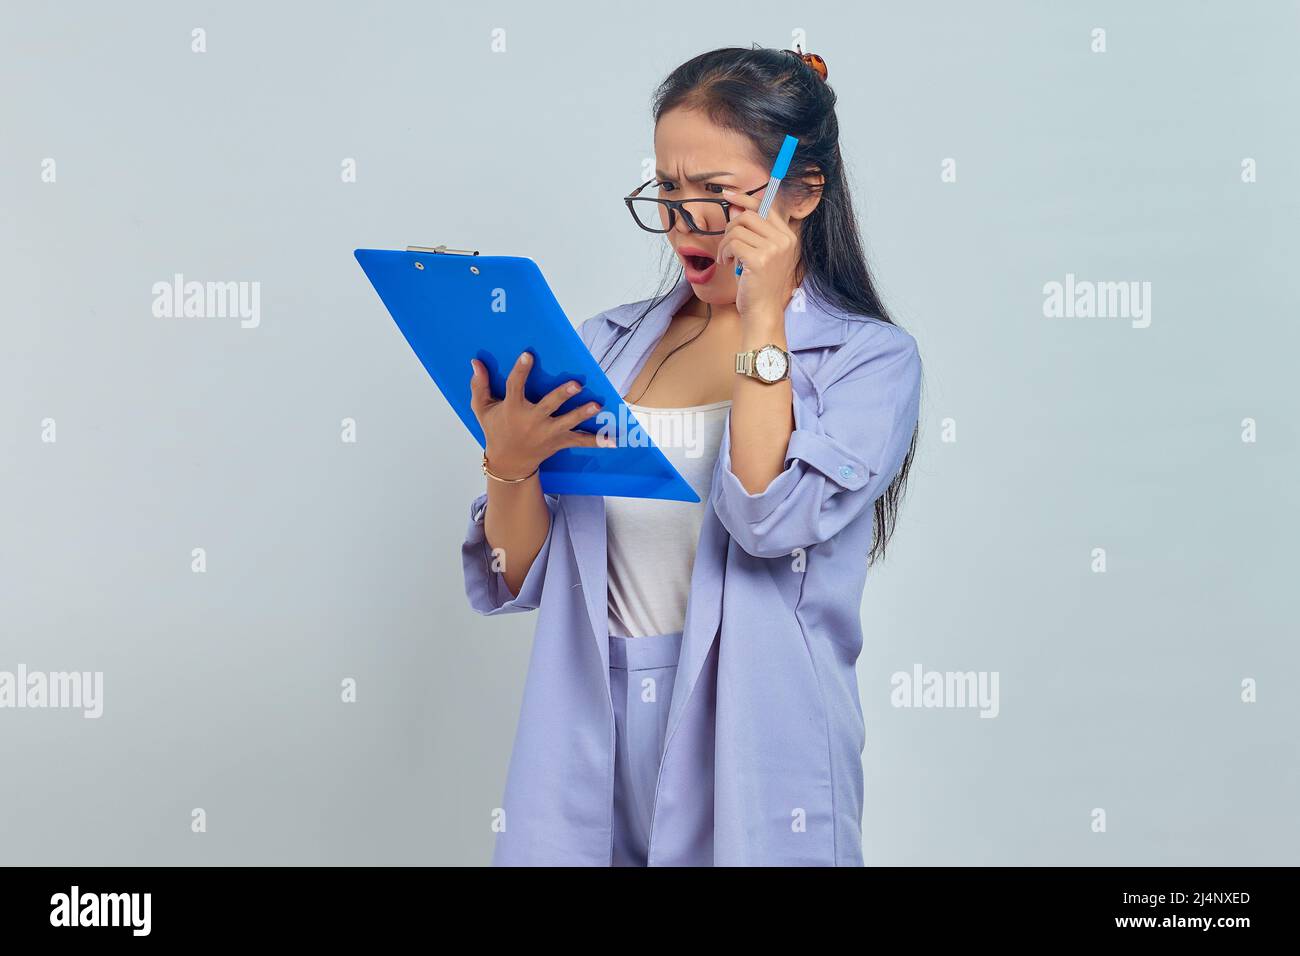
[[651, 543]]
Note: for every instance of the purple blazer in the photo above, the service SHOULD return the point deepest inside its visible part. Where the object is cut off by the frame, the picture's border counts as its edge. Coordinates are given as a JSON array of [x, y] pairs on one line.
[[763, 754]]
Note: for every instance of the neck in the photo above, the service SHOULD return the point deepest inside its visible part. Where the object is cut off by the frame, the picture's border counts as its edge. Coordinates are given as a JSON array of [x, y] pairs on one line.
[[722, 313]]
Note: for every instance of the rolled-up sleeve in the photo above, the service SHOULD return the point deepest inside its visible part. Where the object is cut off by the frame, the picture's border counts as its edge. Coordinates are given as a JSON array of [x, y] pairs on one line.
[[485, 586], [838, 461]]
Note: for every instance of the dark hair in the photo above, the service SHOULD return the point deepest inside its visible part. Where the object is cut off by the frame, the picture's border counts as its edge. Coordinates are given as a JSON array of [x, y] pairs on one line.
[[765, 94]]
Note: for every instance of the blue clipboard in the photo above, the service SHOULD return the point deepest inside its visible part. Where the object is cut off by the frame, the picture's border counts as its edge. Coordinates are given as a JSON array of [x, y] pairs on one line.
[[453, 306]]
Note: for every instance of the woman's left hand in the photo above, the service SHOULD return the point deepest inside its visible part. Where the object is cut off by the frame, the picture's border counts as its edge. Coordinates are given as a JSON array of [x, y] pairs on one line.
[[769, 251]]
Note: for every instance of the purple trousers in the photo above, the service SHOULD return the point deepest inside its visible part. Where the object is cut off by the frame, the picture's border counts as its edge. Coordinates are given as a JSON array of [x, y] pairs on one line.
[[641, 675]]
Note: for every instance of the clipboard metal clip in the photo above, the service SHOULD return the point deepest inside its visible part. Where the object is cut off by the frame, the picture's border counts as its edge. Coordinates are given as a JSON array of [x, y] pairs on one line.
[[443, 250]]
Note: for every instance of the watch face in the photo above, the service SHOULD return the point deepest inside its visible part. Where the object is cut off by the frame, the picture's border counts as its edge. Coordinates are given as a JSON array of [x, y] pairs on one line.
[[770, 364]]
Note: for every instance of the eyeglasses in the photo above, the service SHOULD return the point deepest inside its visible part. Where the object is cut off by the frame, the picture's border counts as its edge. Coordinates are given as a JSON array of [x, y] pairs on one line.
[[708, 217]]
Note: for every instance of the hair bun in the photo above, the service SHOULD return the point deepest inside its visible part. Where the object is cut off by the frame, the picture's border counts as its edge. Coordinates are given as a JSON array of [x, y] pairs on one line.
[[812, 61]]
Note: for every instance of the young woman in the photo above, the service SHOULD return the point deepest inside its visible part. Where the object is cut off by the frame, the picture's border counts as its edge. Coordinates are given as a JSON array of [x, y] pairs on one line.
[[692, 698]]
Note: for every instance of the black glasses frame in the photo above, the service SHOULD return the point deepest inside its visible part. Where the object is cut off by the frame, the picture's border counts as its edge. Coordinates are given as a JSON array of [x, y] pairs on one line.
[[675, 207]]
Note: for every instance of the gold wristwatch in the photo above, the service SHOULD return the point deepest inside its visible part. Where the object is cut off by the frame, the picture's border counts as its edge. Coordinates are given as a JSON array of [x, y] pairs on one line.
[[768, 364]]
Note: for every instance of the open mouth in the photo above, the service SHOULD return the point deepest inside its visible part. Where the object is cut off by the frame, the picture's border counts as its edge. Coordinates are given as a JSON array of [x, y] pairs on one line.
[[699, 263]]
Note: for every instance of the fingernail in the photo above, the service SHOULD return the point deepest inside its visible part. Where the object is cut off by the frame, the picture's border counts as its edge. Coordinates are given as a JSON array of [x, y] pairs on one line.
[[573, 388], [525, 359]]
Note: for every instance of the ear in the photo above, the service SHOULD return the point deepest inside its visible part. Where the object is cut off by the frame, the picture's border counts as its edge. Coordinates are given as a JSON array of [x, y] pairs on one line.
[[800, 203]]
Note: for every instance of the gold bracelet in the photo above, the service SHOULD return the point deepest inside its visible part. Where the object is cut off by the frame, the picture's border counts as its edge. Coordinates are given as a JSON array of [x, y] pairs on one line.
[[508, 481]]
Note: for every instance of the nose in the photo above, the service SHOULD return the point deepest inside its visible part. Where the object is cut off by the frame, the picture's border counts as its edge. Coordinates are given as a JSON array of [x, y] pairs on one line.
[[680, 227]]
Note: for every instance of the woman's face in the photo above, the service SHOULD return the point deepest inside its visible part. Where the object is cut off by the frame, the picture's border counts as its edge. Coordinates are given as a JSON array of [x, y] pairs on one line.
[[694, 159]]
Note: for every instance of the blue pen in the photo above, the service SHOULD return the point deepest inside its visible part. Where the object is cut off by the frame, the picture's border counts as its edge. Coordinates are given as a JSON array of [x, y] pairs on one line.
[[774, 183]]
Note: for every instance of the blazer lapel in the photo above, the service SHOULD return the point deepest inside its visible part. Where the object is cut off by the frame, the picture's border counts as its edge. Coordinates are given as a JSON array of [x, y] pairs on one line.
[[810, 323], [585, 514]]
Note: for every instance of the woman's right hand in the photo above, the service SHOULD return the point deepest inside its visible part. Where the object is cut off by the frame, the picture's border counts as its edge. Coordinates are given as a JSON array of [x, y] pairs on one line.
[[520, 434]]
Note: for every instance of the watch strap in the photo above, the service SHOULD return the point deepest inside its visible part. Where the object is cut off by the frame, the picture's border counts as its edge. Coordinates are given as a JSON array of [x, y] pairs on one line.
[[745, 363]]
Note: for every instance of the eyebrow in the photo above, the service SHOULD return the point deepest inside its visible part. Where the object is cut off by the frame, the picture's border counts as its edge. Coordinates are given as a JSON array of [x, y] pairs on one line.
[[695, 177]]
